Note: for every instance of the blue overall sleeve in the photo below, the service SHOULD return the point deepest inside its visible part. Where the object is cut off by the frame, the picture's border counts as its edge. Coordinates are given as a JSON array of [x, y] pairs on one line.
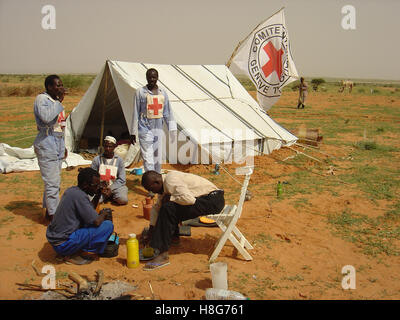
[[168, 115], [47, 110]]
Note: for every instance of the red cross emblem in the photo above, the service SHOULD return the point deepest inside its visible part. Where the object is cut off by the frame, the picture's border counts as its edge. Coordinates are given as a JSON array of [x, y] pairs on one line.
[[155, 106], [275, 60], [61, 117], [106, 177]]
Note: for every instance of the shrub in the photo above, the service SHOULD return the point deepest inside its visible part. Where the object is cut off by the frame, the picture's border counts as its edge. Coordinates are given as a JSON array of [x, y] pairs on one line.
[[366, 145], [295, 87], [72, 81], [316, 82]]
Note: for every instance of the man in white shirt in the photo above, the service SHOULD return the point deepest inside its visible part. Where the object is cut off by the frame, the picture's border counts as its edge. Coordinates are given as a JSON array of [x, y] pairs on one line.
[[182, 196]]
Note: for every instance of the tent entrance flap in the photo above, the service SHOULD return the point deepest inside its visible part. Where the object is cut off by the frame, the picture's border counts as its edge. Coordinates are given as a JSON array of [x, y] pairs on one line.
[[112, 121]]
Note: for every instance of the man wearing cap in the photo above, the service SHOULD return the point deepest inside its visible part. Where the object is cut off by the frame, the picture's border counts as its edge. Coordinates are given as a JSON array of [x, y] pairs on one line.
[[49, 144], [151, 109], [112, 173]]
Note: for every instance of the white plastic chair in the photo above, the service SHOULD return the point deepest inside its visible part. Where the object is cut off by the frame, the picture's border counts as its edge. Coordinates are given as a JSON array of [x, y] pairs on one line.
[[227, 219]]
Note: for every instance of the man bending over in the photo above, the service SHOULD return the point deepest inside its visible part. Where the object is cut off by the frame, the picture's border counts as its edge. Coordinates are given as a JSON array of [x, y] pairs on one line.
[[182, 196]]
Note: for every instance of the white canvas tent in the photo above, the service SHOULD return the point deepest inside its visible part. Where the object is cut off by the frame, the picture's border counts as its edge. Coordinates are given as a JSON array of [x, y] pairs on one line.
[[203, 98]]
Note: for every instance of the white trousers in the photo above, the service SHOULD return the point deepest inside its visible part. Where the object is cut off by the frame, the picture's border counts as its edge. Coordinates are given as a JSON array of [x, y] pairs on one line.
[[151, 144]]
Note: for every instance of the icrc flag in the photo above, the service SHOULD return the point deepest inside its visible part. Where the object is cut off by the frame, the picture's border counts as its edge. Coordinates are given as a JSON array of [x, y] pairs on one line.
[[265, 57]]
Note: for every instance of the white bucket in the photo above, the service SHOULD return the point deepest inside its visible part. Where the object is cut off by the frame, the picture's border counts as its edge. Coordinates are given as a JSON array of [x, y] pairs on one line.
[[219, 274]]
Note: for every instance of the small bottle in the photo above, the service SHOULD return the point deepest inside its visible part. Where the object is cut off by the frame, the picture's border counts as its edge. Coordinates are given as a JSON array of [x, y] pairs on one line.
[[216, 171], [132, 256], [279, 189], [221, 294]]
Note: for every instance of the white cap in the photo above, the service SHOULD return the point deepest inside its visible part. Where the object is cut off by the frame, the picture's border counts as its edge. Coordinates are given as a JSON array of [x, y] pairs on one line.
[[110, 139], [132, 235]]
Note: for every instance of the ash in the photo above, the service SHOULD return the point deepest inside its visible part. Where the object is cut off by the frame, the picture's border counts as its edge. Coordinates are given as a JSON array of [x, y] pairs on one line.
[[109, 291]]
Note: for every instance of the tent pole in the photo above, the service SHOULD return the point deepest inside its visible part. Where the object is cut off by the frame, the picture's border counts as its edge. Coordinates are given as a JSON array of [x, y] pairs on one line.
[[104, 109]]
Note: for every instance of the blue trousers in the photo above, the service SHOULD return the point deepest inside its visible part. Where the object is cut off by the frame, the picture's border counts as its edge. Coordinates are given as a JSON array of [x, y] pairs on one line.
[[87, 239]]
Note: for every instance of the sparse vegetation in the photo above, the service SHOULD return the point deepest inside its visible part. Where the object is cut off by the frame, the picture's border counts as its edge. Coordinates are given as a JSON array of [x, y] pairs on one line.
[[316, 83], [295, 237]]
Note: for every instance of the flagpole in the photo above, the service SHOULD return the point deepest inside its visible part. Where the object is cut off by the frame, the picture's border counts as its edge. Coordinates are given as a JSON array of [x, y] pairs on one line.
[[228, 64]]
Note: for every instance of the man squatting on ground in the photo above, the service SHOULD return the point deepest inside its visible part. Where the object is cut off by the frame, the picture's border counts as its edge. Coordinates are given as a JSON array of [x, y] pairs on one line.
[[49, 144], [76, 226], [111, 168], [151, 108], [182, 196]]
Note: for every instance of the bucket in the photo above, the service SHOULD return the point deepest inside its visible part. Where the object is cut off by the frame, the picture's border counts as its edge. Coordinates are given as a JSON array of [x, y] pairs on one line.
[[147, 205], [219, 274]]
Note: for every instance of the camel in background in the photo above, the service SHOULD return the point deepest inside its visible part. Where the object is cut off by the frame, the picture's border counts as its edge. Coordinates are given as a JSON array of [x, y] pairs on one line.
[[346, 83]]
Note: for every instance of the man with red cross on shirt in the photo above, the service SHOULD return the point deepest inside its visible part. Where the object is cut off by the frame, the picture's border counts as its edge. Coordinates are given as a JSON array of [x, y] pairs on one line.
[[151, 109], [111, 169]]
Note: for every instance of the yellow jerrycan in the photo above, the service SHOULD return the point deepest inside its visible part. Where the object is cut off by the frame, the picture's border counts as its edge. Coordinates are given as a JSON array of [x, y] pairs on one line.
[[132, 247]]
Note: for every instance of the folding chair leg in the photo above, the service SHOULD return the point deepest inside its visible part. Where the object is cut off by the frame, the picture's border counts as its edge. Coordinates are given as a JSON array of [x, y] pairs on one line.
[[218, 247], [240, 248], [235, 242], [243, 240], [238, 245], [240, 236]]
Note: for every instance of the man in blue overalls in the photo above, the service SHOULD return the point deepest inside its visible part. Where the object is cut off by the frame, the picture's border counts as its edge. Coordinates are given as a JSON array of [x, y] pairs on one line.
[[49, 143], [151, 109]]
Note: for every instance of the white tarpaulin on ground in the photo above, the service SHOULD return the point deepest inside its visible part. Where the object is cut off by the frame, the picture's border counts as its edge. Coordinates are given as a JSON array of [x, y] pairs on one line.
[[265, 57], [213, 111], [14, 159]]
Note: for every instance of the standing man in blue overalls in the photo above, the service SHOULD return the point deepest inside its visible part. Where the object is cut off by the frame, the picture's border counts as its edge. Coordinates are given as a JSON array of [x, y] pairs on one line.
[[151, 109], [49, 144]]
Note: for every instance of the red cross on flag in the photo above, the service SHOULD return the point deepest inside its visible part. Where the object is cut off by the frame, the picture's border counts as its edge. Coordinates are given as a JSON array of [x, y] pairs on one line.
[[265, 57]]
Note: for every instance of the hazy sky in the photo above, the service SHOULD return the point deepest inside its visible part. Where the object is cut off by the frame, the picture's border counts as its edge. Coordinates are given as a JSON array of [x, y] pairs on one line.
[[197, 32]]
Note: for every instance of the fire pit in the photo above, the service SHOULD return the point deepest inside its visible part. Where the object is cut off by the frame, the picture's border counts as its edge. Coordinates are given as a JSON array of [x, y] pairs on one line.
[[109, 291]]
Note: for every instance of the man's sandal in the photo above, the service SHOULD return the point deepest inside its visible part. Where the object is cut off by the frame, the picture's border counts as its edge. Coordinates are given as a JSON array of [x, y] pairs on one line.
[[152, 265], [78, 260]]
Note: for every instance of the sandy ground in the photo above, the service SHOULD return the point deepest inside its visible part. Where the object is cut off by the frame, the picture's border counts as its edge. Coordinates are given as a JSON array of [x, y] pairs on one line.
[[296, 254]]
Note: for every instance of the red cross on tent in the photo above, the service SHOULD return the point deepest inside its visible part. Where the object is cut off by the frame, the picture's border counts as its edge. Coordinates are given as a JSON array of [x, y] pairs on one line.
[[107, 177], [155, 106], [275, 60]]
